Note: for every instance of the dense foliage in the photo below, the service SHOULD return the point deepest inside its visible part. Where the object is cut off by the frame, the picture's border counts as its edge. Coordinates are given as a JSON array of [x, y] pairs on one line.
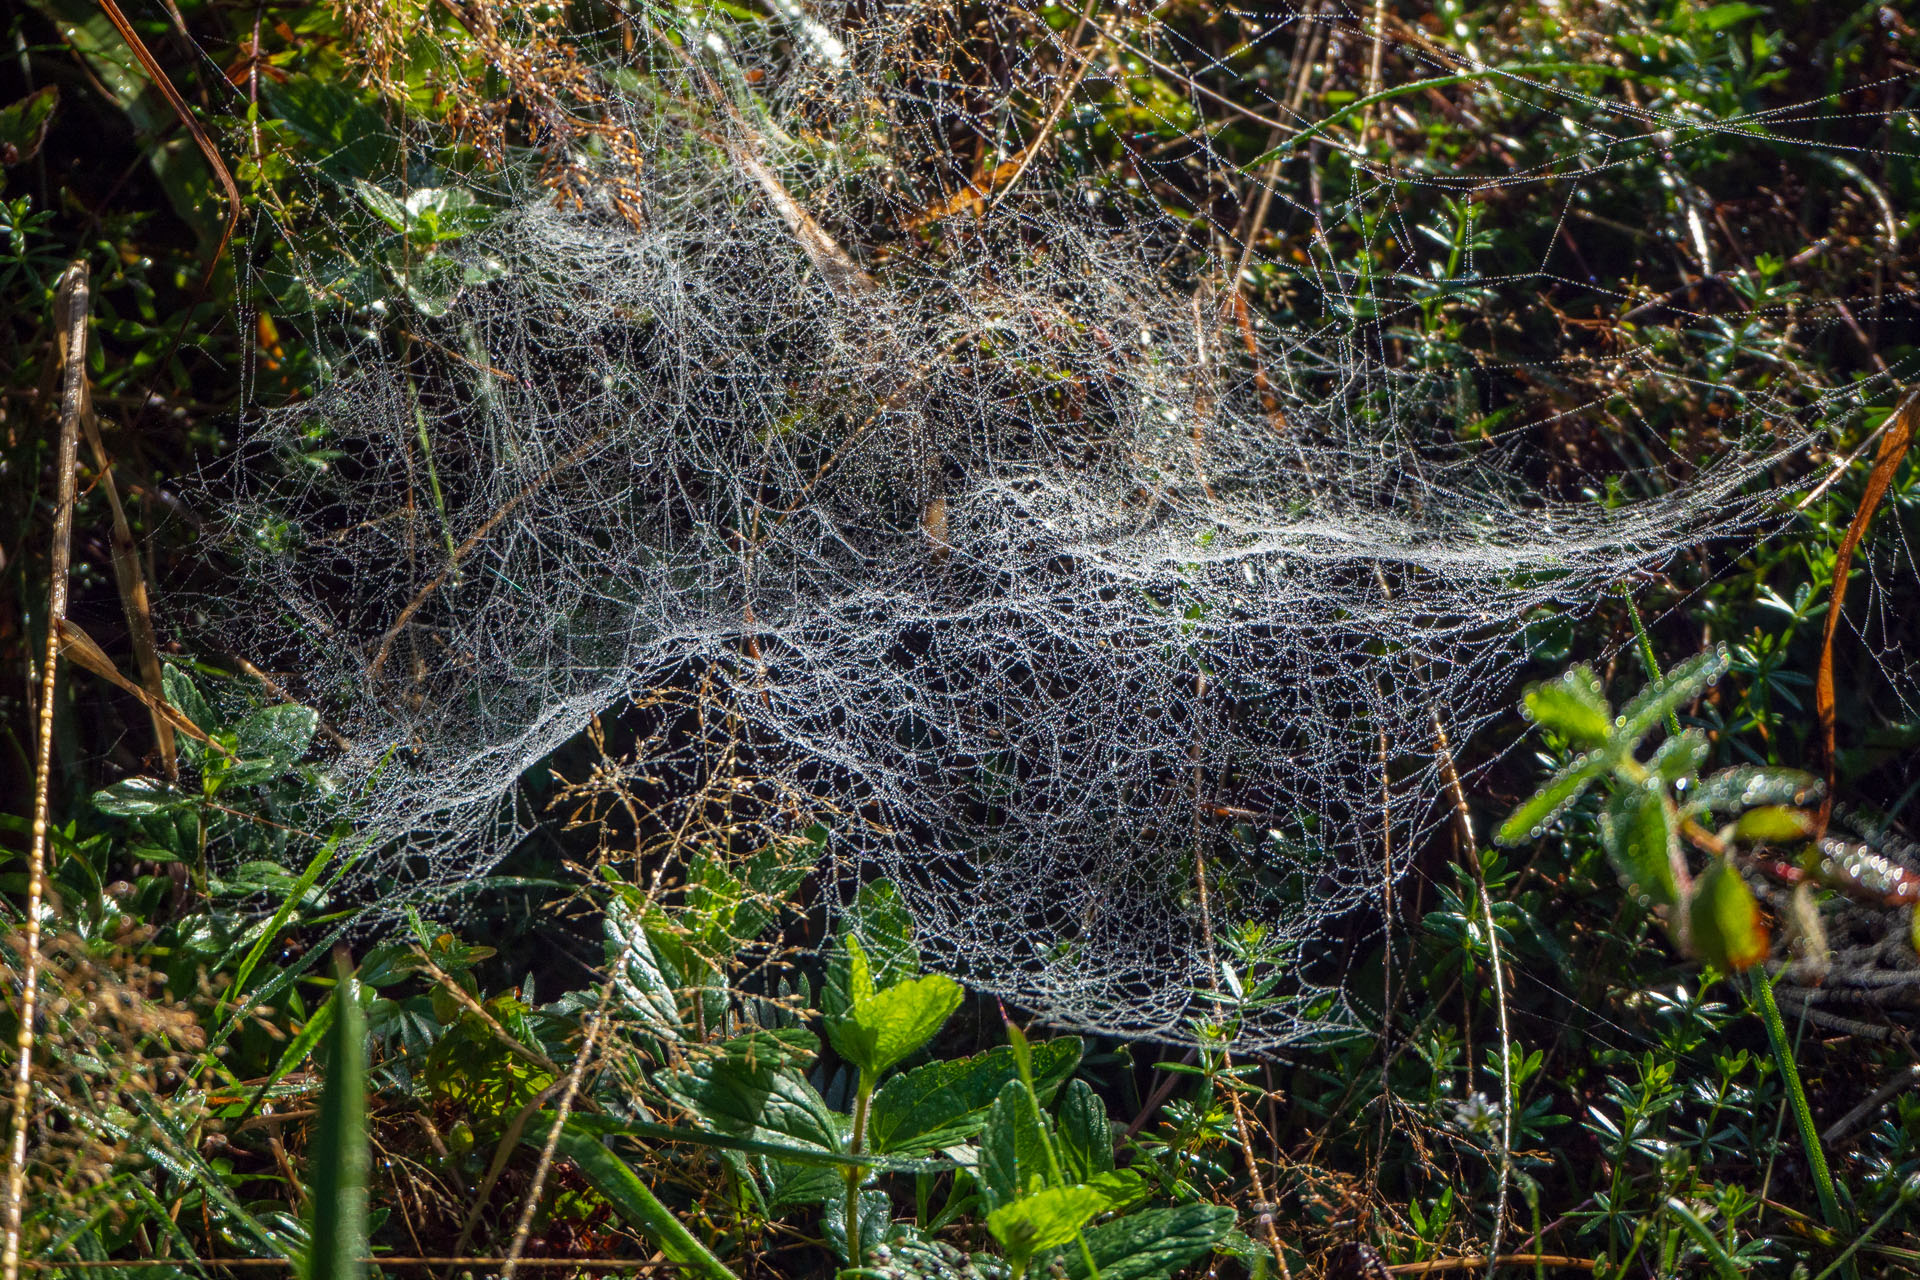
[[1645, 1009]]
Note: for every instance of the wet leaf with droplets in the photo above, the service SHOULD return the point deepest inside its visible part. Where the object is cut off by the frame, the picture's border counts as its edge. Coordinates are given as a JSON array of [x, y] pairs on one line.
[[1530, 820], [1640, 828], [1748, 785], [1682, 685], [1571, 706]]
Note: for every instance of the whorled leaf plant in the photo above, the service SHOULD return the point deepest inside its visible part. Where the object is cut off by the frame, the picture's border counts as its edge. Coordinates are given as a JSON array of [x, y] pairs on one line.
[[1660, 810]]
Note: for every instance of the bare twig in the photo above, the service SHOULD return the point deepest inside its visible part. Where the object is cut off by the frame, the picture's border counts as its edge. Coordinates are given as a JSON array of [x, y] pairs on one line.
[[1086, 58], [71, 313], [1444, 751], [553, 1140]]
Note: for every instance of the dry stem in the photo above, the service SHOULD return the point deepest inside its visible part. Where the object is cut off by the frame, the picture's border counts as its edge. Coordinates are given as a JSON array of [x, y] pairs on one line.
[[71, 309]]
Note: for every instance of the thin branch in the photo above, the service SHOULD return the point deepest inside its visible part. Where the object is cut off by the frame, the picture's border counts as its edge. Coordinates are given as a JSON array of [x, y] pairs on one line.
[[553, 1140], [71, 310]]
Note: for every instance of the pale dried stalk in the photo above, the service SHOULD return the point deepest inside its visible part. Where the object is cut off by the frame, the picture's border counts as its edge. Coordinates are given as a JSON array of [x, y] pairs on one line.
[[553, 1140], [70, 311], [1465, 819]]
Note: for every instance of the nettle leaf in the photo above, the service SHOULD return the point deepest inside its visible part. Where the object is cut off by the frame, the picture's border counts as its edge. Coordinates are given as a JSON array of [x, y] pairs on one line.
[[1086, 1139], [1775, 824], [1680, 757], [1015, 1158], [942, 1103], [1745, 786], [1047, 1218], [1152, 1244], [1641, 829], [1572, 707], [1663, 697], [882, 1027], [1724, 924], [753, 1094], [179, 689], [884, 927], [1531, 819]]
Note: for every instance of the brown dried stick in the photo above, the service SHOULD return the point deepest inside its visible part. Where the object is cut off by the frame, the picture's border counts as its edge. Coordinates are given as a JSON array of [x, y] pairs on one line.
[[70, 310]]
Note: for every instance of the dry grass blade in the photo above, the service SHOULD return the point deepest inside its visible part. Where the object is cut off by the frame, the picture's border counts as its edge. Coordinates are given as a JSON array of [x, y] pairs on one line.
[[79, 646], [70, 313], [1893, 448], [127, 576]]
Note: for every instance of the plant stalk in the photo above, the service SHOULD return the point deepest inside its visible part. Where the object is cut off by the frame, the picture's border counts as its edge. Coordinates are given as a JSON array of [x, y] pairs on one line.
[[1802, 1114], [71, 310]]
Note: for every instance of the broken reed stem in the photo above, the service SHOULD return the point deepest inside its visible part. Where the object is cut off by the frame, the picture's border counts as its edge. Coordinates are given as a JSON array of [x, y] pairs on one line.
[[545, 1166], [70, 310], [1464, 816]]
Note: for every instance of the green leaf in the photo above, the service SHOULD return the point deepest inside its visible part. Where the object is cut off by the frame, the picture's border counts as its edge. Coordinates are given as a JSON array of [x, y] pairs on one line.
[[1152, 1244], [1086, 1139], [1571, 706], [381, 203], [23, 125], [179, 689], [944, 1102], [271, 741], [436, 215], [339, 1159], [1655, 702], [754, 1096], [137, 797], [348, 138], [882, 1028], [1640, 829], [1747, 785], [1681, 757], [1531, 819], [1014, 1155], [1775, 824], [885, 928], [1047, 1218], [875, 1209], [1724, 924], [614, 1179]]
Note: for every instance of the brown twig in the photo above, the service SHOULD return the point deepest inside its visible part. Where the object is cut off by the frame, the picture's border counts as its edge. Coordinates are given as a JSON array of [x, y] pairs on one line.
[[1502, 1260], [553, 1140], [127, 574], [70, 311]]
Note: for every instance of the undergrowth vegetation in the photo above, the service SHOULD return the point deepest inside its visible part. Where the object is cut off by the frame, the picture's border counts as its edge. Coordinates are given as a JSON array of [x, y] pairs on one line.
[[1641, 1004]]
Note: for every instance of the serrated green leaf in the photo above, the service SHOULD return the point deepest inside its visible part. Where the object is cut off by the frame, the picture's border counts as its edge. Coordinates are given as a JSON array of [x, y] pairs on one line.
[[885, 929], [1015, 1159], [1571, 706], [1641, 833], [1086, 1139], [1049, 1217], [884, 1027], [1153, 1244], [1724, 924], [271, 741], [1538, 811], [1682, 685], [941, 1103], [754, 1096]]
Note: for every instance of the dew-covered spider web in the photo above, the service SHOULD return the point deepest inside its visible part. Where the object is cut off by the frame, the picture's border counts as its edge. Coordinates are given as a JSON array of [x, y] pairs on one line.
[[1110, 574]]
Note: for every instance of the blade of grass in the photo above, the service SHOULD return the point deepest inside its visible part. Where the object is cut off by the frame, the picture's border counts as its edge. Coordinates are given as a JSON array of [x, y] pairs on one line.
[[340, 1161], [1830, 1209], [613, 1178]]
